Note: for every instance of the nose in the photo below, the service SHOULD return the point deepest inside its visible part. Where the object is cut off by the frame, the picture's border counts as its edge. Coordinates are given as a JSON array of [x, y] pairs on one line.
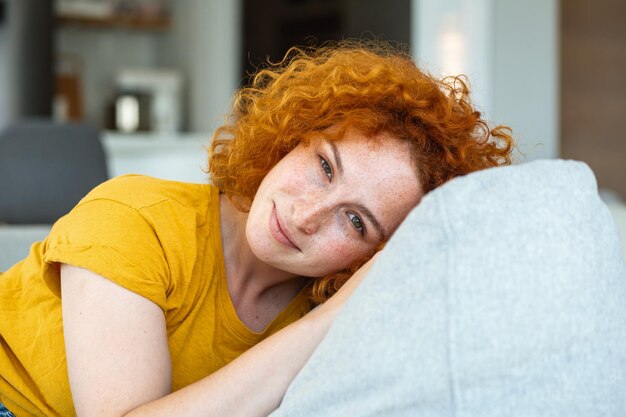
[[309, 213]]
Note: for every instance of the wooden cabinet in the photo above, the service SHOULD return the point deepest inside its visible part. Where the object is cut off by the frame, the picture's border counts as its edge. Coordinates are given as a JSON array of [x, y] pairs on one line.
[[593, 88]]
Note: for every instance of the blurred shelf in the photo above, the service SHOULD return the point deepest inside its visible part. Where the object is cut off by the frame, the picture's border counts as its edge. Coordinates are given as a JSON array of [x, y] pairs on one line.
[[158, 142], [152, 23]]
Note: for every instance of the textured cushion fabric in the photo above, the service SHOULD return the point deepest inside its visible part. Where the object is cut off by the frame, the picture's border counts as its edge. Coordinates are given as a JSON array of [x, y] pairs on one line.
[[502, 294]]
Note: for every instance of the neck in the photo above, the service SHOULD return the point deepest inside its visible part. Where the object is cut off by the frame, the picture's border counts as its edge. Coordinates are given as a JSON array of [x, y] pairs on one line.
[[250, 281]]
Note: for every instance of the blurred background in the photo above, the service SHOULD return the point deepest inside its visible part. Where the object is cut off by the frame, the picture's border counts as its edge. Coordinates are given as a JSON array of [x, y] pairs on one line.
[[156, 76]]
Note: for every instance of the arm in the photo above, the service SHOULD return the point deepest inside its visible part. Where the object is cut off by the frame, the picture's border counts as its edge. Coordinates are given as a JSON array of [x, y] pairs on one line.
[[118, 360], [115, 343]]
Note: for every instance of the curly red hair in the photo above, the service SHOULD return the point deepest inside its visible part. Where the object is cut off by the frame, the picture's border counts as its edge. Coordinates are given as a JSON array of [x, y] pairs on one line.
[[369, 86]]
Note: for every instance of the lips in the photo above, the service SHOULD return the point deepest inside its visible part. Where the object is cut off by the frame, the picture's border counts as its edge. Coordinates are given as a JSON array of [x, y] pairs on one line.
[[278, 232]]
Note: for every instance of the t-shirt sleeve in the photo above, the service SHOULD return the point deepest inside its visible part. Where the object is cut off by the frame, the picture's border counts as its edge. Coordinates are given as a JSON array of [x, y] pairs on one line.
[[113, 240]]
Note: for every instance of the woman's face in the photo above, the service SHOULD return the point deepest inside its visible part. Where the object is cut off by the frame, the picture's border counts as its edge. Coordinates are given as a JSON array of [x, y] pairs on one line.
[[325, 205]]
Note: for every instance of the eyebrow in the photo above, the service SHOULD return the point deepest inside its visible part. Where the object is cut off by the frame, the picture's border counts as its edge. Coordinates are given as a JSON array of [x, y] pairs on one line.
[[337, 156], [366, 212]]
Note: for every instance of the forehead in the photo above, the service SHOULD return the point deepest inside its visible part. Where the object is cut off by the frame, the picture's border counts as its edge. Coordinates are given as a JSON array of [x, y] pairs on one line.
[[391, 156], [372, 160]]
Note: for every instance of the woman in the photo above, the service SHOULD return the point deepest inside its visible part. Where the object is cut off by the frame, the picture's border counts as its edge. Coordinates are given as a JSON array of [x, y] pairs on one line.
[[140, 299]]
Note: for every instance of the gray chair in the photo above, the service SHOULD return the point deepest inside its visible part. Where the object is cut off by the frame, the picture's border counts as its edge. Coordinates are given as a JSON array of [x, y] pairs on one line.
[[46, 168]]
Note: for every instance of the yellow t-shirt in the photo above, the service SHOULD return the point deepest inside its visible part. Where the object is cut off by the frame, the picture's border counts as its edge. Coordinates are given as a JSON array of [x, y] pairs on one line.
[[160, 239]]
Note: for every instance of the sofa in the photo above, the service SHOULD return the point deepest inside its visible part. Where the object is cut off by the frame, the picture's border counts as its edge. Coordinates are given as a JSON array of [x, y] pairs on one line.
[[15, 241]]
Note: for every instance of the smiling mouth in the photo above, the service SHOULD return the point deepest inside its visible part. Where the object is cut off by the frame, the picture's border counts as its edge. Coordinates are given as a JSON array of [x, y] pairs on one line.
[[278, 232]]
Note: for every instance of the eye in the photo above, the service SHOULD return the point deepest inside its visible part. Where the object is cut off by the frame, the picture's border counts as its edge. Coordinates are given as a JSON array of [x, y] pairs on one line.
[[328, 170], [357, 223]]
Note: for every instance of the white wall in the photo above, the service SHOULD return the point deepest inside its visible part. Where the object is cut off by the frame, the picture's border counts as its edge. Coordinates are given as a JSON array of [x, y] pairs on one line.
[[206, 43], [526, 78], [509, 50], [453, 37]]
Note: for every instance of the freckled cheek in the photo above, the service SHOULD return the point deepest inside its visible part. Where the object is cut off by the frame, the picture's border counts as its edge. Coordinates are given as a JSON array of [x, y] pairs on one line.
[[301, 181], [305, 175], [347, 251], [342, 252]]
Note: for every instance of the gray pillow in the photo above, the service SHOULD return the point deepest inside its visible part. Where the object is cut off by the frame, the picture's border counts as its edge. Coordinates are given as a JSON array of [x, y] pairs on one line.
[[502, 294]]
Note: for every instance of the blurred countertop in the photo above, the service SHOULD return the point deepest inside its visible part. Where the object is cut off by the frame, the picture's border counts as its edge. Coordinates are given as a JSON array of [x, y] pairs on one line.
[[178, 156]]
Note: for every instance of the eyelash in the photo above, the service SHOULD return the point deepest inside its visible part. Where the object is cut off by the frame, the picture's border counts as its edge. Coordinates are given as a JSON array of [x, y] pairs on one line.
[[360, 227], [326, 168], [354, 220]]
